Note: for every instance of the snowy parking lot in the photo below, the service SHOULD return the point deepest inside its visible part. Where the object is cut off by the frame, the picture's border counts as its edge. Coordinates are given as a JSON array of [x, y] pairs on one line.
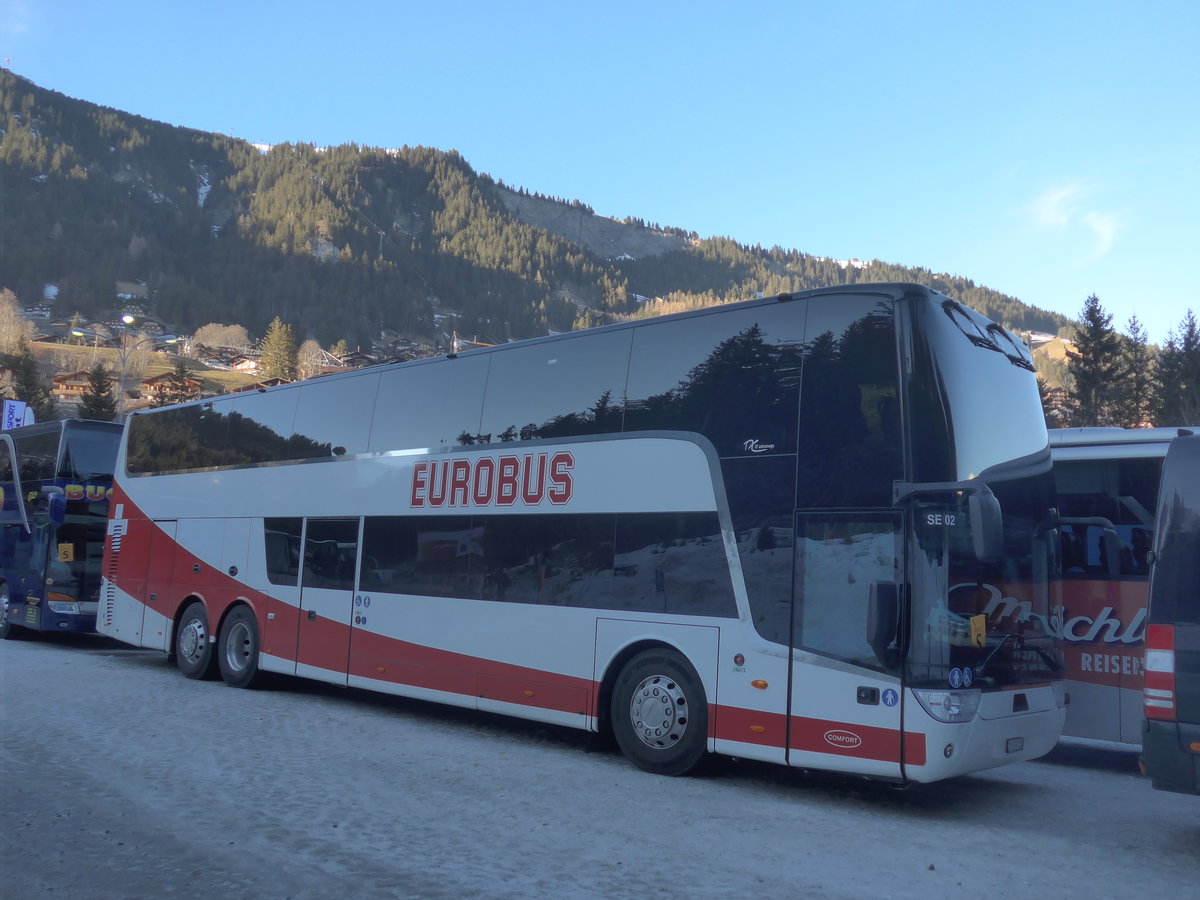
[[124, 779]]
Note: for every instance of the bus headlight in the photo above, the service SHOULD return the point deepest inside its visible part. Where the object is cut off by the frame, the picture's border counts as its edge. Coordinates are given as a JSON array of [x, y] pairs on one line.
[[69, 608], [949, 706]]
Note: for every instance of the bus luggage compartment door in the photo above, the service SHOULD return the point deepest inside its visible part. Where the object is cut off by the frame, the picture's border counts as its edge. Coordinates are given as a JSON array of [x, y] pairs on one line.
[[845, 691]]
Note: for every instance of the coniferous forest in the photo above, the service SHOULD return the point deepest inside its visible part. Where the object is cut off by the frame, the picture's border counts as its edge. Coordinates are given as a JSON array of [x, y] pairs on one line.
[[340, 242], [344, 243]]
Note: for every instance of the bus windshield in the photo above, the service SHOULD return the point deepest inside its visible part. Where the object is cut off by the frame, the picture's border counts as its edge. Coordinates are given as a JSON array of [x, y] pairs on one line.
[[987, 623], [992, 622]]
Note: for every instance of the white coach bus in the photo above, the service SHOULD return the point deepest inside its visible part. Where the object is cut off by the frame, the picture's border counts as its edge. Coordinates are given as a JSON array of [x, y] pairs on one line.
[[809, 529]]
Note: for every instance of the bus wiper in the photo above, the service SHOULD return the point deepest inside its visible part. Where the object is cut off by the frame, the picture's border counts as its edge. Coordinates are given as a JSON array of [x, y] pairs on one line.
[[1003, 640], [1054, 664]]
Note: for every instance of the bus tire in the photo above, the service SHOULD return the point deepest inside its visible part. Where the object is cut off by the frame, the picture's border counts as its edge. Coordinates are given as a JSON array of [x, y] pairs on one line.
[[194, 654], [660, 713], [237, 648], [7, 628]]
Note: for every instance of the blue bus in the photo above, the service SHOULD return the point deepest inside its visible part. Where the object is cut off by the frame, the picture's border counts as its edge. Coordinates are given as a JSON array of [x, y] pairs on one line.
[[55, 482]]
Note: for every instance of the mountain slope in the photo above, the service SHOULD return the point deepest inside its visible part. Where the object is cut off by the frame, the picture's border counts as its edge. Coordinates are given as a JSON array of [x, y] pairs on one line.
[[349, 241]]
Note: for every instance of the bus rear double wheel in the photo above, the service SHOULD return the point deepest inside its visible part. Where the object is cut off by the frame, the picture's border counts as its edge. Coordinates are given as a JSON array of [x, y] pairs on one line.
[[659, 713], [237, 648]]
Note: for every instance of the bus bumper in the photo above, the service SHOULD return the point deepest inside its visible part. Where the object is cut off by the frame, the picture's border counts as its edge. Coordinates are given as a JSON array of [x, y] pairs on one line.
[[42, 617], [1168, 758]]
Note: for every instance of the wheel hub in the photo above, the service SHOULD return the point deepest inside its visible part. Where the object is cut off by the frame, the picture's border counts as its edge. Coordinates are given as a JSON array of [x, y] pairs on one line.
[[658, 711], [191, 640], [237, 650]]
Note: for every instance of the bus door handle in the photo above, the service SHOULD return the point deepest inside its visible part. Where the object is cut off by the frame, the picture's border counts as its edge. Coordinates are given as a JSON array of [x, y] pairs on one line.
[[312, 615]]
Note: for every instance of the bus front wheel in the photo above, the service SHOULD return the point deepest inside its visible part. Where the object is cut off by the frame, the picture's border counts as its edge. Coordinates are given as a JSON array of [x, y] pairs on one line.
[[237, 648], [660, 714], [7, 628], [193, 650]]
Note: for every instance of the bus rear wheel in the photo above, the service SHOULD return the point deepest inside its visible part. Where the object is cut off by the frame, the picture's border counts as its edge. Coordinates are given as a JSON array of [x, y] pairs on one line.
[[193, 650], [660, 714], [237, 648]]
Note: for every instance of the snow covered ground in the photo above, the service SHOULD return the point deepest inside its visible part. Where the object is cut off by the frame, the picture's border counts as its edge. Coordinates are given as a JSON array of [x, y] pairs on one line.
[[124, 779]]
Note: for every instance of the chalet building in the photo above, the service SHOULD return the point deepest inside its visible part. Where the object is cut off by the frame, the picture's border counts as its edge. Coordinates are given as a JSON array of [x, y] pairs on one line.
[[69, 387], [357, 360], [167, 384], [227, 359]]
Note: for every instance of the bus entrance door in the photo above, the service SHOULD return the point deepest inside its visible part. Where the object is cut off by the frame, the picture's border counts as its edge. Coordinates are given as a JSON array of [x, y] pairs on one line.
[[844, 690], [327, 598]]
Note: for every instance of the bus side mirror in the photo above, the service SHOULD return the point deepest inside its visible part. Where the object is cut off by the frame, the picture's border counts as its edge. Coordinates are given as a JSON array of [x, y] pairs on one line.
[[883, 622], [56, 504], [987, 526]]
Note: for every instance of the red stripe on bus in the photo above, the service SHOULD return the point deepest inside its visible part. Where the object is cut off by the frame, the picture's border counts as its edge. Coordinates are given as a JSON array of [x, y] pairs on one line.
[[862, 741], [401, 662], [750, 726]]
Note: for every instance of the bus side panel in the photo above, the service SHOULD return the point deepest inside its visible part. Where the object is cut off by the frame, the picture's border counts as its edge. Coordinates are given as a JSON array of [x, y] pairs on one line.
[[699, 643], [123, 588], [752, 701], [1104, 635], [157, 617], [831, 729]]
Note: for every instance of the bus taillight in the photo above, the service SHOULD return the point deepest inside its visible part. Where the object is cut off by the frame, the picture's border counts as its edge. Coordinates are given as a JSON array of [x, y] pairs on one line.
[[1159, 693]]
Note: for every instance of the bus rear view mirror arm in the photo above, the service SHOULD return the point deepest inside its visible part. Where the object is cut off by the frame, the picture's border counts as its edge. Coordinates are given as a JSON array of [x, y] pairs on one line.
[[1111, 540], [987, 526]]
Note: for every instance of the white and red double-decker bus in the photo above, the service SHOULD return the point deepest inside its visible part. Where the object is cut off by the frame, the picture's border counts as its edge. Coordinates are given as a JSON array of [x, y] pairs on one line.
[[812, 529]]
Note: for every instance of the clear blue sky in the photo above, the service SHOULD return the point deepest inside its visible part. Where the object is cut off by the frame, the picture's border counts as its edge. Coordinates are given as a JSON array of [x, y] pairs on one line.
[[1048, 150]]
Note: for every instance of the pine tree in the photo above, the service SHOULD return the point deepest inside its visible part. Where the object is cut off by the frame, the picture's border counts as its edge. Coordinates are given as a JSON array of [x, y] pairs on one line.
[[1095, 368], [98, 401], [278, 352], [1135, 406], [28, 384], [1178, 376]]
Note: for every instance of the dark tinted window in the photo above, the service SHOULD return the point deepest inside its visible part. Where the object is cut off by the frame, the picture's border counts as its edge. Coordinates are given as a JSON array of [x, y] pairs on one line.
[[429, 406], [333, 417], [425, 555], [665, 563], [282, 539], [850, 448], [330, 551], [1124, 491], [38, 456], [186, 437], [559, 560], [839, 556], [90, 452], [260, 425], [673, 563], [732, 376], [1174, 598], [761, 493], [557, 389]]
